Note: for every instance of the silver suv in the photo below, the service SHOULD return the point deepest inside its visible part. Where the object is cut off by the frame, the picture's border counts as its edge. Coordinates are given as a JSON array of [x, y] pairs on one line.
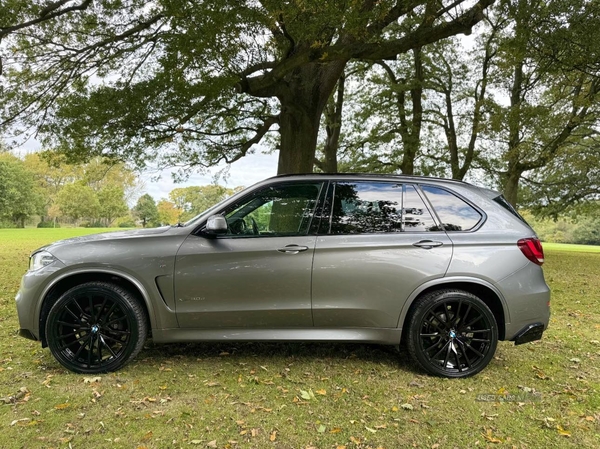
[[444, 266]]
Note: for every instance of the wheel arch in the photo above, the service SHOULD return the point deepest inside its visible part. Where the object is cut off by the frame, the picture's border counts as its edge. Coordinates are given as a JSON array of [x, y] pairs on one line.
[[480, 288], [69, 280]]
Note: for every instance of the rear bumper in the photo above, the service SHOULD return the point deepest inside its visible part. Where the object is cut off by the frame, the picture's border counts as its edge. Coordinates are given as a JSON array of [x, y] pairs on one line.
[[531, 332], [25, 333]]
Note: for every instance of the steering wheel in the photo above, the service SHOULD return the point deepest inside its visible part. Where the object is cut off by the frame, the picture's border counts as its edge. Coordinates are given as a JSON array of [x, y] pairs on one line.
[[255, 230]]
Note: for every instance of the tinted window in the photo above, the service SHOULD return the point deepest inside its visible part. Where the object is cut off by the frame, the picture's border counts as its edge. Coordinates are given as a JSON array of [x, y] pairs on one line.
[[376, 207], [366, 207], [278, 210], [455, 214], [416, 215]]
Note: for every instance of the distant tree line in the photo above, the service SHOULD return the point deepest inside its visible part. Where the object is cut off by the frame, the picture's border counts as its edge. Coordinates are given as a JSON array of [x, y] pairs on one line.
[[95, 194]]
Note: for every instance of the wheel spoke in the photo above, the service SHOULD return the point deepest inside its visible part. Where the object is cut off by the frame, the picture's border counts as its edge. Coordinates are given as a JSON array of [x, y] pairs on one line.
[[478, 331], [107, 314], [479, 340], [99, 339], [447, 355], [117, 332], [116, 320], [91, 301], [108, 337], [72, 334], [101, 309], [81, 347], [79, 307], [479, 317], [466, 314], [441, 350], [102, 337], [437, 334], [71, 325], [437, 315], [90, 350], [457, 314], [462, 348], [73, 313], [458, 365], [474, 350]]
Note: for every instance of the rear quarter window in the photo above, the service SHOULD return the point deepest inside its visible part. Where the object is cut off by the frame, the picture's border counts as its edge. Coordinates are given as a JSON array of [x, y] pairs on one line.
[[454, 213]]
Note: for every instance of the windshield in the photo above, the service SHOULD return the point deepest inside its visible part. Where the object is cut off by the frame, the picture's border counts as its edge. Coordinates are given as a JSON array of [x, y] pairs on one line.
[[202, 214]]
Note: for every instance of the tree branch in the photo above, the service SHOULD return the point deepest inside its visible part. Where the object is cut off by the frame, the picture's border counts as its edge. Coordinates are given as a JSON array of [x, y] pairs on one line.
[[46, 14]]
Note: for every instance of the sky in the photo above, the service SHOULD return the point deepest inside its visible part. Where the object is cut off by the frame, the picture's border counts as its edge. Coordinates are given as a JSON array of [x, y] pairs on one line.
[[247, 171]]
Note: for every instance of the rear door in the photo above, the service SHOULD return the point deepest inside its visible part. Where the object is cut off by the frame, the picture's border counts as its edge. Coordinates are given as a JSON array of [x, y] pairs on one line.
[[380, 243]]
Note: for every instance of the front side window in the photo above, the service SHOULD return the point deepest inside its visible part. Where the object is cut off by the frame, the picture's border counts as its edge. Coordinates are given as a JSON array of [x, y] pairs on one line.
[[378, 207], [280, 210], [455, 213]]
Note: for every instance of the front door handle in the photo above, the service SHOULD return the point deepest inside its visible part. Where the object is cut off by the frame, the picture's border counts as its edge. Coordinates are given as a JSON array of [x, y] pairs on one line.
[[427, 244], [292, 249]]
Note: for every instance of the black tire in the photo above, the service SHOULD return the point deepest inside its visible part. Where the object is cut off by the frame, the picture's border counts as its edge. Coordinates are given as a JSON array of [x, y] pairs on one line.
[[96, 327], [452, 333]]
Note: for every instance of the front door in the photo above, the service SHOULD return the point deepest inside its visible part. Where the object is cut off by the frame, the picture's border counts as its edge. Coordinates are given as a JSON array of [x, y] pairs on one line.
[[258, 275]]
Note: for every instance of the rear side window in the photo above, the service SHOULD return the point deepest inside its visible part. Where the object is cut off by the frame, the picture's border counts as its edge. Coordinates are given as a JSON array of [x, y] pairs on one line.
[[378, 207], [454, 213]]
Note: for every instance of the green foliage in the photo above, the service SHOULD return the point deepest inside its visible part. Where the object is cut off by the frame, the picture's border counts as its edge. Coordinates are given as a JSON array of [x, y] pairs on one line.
[[146, 210], [19, 196], [48, 224], [126, 224], [167, 212], [191, 201], [78, 201], [578, 229], [111, 203], [196, 83]]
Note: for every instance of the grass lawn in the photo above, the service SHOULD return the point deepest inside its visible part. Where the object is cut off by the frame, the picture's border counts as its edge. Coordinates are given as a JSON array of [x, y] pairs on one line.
[[571, 248], [307, 395]]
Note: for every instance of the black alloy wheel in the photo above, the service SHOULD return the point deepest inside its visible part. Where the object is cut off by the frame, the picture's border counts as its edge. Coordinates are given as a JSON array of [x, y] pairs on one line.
[[452, 333], [96, 327]]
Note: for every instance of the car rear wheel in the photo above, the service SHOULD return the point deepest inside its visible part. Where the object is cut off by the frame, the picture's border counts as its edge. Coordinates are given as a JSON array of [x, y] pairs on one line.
[[96, 327], [452, 333]]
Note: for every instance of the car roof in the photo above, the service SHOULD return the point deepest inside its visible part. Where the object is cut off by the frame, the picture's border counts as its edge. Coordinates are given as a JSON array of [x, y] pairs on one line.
[[400, 177]]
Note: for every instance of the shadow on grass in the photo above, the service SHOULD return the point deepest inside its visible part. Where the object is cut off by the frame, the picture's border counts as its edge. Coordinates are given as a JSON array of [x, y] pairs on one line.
[[284, 352]]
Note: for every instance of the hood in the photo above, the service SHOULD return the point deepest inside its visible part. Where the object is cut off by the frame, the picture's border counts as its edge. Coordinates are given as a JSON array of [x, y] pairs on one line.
[[114, 235]]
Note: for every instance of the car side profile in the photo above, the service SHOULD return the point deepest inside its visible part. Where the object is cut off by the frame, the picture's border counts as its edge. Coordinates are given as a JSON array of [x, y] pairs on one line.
[[443, 266]]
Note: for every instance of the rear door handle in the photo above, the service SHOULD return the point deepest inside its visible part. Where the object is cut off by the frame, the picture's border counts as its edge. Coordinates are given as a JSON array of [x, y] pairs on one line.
[[292, 249], [427, 244]]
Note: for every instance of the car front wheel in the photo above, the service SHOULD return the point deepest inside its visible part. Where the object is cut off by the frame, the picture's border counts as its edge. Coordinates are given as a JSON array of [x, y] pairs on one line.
[[452, 333], [96, 327]]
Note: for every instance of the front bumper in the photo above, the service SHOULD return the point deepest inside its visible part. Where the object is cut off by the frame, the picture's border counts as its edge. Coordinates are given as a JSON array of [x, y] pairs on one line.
[[29, 299]]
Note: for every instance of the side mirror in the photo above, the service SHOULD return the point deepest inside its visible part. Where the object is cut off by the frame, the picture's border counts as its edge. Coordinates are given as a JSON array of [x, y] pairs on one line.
[[215, 225]]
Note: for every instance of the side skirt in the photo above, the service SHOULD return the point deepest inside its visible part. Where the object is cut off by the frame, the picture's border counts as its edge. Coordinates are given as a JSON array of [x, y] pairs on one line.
[[355, 335]]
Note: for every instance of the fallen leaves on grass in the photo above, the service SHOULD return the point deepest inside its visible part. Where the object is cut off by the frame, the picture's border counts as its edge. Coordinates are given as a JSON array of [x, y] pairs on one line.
[[490, 437]]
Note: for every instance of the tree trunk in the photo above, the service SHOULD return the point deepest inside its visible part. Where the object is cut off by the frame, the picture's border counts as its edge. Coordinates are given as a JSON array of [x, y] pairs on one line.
[[299, 129], [511, 185], [333, 128], [303, 98]]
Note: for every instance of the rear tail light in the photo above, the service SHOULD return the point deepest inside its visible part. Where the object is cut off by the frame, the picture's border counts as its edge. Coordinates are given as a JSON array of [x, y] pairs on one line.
[[532, 249]]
